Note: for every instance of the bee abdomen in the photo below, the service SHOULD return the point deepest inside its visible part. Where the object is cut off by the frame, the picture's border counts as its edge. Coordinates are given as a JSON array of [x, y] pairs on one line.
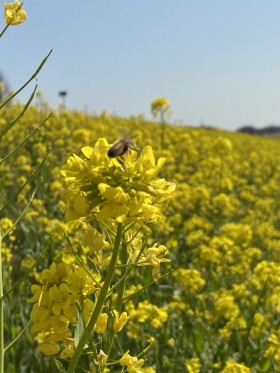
[[113, 152]]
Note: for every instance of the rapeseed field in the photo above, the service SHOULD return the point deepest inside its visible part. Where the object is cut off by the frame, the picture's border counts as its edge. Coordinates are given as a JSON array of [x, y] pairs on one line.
[[194, 286], [130, 245]]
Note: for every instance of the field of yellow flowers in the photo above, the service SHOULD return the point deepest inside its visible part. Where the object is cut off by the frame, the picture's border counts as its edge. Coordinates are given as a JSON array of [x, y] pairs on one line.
[[159, 253], [188, 232]]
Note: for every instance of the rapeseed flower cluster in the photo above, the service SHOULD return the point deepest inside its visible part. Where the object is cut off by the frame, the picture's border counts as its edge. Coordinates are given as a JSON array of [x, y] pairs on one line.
[[144, 318], [159, 104], [54, 310], [132, 363], [234, 367], [100, 188], [14, 14], [193, 365], [103, 195]]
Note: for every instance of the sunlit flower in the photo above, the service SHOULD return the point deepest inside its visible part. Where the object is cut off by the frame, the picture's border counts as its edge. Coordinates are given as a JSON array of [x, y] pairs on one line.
[[193, 365], [54, 308], [189, 279], [101, 323], [101, 188], [234, 367], [14, 14], [132, 363], [171, 342], [49, 348], [101, 358], [153, 257], [68, 351], [222, 146], [159, 104], [146, 314], [119, 320]]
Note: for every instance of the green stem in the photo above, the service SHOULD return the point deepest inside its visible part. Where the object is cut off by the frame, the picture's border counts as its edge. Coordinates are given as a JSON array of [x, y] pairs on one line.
[[23, 211], [251, 319], [4, 30], [18, 336], [163, 125], [99, 303], [120, 296], [121, 291], [23, 277], [146, 286], [28, 81], [33, 175], [25, 140], [1, 314], [21, 114]]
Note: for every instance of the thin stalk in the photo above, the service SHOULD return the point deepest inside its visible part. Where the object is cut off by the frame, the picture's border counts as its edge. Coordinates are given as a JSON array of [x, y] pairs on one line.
[[99, 303], [23, 277], [78, 258], [1, 313], [251, 319], [28, 81], [121, 290], [23, 211], [4, 30], [163, 125], [21, 114], [18, 336], [146, 349], [128, 267], [33, 175], [26, 139], [147, 285]]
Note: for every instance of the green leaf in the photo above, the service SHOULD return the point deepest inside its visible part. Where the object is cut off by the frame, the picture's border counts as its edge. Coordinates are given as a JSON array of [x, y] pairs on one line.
[[80, 327], [59, 366]]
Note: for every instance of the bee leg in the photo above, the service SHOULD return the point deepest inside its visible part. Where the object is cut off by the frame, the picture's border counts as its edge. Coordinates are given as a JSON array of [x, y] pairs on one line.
[[134, 148], [121, 161]]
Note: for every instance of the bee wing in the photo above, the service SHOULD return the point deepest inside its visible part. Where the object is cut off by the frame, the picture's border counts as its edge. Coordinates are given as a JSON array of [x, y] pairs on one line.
[[128, 139], [125, 134]]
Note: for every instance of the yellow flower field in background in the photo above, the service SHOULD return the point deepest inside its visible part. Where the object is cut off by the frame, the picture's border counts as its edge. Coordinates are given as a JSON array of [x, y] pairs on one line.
[[207, 204]]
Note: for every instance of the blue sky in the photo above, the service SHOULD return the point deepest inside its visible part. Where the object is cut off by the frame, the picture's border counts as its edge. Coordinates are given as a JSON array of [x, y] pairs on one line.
[[217, 61]]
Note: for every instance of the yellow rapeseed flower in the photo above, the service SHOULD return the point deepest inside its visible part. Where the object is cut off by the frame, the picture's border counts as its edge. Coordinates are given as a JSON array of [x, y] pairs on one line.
[[68, 351], [119, 320], [49, 348], [159, 104], [133, 365], [54, 309], [193, 365], [234, 367], [14, 14], [153, 256], [189, 279], [101, 358], [101, 323], [100, 187]]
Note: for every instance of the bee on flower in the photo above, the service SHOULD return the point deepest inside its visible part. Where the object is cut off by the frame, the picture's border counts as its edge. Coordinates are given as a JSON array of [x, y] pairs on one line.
[[121, 146]]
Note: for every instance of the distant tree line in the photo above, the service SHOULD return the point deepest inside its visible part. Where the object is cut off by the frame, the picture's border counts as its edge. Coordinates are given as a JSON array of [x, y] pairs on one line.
[[269, 130]]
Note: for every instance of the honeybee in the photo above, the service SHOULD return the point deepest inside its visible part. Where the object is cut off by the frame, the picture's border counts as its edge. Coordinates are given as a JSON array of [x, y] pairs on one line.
[[120, 147]]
